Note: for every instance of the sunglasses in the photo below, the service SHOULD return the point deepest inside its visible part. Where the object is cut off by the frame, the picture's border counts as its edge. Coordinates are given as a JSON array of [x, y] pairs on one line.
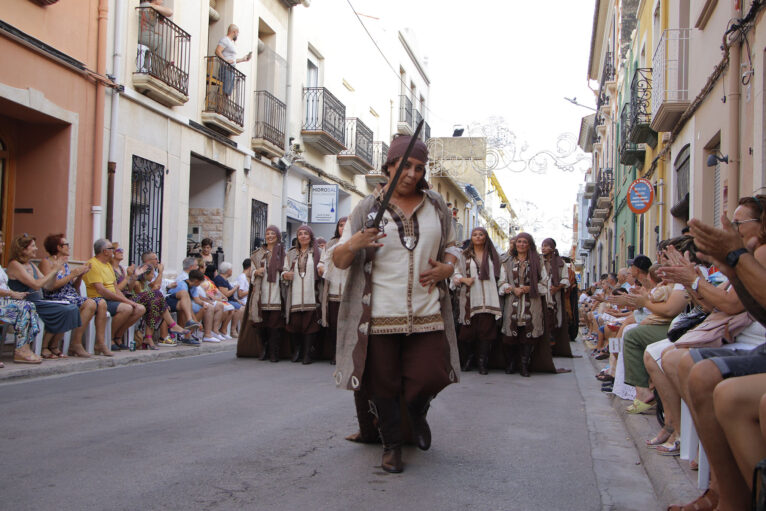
[[737, 223], [119, 250]]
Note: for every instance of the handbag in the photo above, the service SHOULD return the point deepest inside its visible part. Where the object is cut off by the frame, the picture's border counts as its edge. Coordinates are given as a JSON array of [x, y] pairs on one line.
[[685, 322], [717, 328]]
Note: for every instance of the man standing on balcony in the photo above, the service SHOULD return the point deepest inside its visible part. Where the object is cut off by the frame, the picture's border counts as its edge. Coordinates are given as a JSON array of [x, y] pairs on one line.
[[228, 53]]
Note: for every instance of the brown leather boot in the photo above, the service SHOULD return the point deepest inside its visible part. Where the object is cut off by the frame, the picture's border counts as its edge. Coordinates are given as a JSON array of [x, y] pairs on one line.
[[264, 334], [420, 429], [511, 352], [526, 358], [274, 344], [388, 413], [295, 346], [484, 356], [308, 348]]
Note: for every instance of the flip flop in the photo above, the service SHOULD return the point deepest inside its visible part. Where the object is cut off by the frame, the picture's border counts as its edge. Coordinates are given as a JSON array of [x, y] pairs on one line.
[[640, 407], [658, 439], [669, 448]]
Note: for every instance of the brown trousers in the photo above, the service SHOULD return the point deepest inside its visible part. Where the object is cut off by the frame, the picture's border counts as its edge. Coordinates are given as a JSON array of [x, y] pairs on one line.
[[414, 365]]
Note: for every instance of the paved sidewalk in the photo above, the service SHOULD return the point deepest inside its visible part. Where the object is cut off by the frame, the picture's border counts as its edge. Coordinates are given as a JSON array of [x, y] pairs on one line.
[[17, 372], [672, 479]]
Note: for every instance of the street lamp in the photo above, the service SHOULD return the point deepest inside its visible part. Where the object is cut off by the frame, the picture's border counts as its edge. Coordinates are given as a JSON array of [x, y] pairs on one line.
[[574, 102]]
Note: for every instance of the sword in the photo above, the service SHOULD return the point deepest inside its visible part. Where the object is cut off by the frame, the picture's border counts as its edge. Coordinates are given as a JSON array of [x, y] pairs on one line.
[[394, 179]]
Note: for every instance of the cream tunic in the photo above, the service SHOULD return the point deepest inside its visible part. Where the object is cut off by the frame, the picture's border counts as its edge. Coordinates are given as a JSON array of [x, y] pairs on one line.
[[271, 298], [302, 290], [400, 305], [484, 293], [334, 277]]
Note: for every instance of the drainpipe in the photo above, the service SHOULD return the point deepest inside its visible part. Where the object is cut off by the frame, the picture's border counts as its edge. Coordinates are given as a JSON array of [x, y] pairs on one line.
[[661, 207], [119, 48], [98, 125], [732, 131]]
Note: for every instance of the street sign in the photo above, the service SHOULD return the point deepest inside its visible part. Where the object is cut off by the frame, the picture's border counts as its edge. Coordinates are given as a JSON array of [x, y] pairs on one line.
[[297, 210], [640, 196], [324, 204]]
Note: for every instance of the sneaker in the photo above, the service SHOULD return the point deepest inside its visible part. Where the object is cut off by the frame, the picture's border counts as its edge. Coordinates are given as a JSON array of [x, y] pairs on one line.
[[167, 341], [212, 338], [191, 342], [192, 325], [218, 336]]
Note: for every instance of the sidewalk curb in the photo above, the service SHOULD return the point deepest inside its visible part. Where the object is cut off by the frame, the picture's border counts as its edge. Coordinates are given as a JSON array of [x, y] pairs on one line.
[[13, 373], [672, 479]]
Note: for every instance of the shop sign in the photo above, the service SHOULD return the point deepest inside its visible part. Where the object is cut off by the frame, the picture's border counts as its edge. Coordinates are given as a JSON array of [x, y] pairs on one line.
[[640, 196], [324, 204], [297, 210]]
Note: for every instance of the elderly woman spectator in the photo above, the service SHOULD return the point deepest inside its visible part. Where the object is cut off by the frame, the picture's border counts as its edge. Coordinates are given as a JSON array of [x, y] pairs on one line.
[[25, 277], [101, 282], [21, 314], [66, 288]]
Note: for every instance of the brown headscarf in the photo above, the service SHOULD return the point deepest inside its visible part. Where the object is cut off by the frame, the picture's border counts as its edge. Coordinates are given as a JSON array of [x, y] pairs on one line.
[[313, 245], [489, 251], [534, 262], [556, 262], [277, 256], [398, 148]]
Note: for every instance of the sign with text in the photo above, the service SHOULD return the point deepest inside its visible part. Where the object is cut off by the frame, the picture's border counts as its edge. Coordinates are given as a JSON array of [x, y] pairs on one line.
[[324, 204], [640, 196], [297, 210]]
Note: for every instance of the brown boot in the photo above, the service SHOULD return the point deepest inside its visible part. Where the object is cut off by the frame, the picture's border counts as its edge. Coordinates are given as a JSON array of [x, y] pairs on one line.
[[388, 413], [511, 352], [264, 334], [274, 344], [526, 358], [420, 429]]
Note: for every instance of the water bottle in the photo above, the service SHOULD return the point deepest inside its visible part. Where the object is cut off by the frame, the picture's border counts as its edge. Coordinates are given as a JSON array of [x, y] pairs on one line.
[[132, 344]]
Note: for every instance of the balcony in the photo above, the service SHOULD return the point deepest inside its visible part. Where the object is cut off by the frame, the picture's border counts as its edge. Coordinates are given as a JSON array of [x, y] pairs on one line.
[[224, 108], [600, 213], [671, 79], [595, 231], [270, 120], [427, 131], [588, 244], [590, 189], [630, 153], [404, 126], [641, 131], [418, 118], [162, 59], [608, 74], [379, 156], [324, 122], [597, 221], [358, 155]]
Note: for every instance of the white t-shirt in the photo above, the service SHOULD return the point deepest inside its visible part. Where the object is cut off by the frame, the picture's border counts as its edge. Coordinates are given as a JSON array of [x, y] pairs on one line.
[[244, 285], [229, 50]]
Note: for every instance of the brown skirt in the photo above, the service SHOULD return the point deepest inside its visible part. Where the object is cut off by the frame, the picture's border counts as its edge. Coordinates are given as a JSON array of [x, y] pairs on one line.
[[483, 327], [304, 322], [271, 319]]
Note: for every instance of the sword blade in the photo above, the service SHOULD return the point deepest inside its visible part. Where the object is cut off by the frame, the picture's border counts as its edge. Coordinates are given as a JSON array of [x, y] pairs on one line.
[[395, 179]]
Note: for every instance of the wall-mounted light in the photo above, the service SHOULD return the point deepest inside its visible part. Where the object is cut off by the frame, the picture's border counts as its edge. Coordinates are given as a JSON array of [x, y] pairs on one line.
[[713, 159]]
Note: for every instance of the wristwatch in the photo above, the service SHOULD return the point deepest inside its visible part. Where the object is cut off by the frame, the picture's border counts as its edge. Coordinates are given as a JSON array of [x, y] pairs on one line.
[[732, 258]]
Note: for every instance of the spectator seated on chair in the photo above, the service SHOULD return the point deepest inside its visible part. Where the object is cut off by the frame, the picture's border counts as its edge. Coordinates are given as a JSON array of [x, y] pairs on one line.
[[101, 282], [66, 288], [208, 293], [22, 315], [182, 301], [229, 291], [240, 295], [25, 277], [201, 311]]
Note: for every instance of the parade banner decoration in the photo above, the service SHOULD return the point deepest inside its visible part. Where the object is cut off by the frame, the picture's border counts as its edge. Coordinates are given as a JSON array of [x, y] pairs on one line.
[[324, 204], [640, 196]]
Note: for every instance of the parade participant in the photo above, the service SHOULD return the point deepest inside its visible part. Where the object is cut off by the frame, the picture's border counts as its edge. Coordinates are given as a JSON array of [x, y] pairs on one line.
[[556, 283], [477, 274], [263, 317], [301, 303], [332, 291], [396, 337], [523, 316]]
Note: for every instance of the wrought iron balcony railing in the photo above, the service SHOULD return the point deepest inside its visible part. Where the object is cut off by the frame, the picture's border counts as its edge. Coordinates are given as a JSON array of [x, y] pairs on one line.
[[379, 156], [427, 131], [270, 118], [225, 90], [418, 118], [163, 50], [324, 122], [358, 144], [671, 78], [630, 152], [405, 110], [607, 73], [641, 107], [605, 181]]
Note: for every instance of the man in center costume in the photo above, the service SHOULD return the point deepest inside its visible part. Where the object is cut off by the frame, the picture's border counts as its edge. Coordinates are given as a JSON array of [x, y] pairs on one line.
[[396, 337]]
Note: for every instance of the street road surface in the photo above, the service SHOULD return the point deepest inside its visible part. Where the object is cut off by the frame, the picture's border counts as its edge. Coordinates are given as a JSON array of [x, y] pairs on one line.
[[216, 432]]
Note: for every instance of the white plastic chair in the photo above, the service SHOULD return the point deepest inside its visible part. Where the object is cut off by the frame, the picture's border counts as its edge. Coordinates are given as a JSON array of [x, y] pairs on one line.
[[691, 447]]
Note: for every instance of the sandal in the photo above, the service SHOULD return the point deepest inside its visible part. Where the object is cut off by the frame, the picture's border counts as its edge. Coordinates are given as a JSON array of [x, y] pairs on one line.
[[57, 353], [26, 358], [659, 439], [605, 377], [708, 501], [639, 406], [47, 354], [669, 448]]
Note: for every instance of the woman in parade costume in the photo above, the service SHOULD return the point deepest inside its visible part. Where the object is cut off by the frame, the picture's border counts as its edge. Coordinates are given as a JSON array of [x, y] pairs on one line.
[[523, 327], [390, 347], [332, 291], [477, 275], [301, 303], [557, 283], [261, 329]]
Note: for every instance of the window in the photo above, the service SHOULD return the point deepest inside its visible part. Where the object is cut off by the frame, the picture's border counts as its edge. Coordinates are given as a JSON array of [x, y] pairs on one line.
[[146, 195], [259, 212]]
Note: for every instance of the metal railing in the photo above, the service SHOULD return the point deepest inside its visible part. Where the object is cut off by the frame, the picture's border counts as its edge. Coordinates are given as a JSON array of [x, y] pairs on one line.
[[358, 140], [324, 112], [270, 118], [225, 90], [605, 181], [671, 68], [379, 156], [163, 50], [405, 110], [418, 118], [607, 73], [625, 128], [641, 97], [427, 131]]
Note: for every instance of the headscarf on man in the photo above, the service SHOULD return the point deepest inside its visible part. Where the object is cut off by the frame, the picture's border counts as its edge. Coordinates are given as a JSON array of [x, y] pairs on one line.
[[533, 256], [556, 262], [396, 151], [313, 246], [277, 256], [489, 251]]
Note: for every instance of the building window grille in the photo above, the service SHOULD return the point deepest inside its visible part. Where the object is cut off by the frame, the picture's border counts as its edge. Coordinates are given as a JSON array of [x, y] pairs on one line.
[[259, 212], [146, 197]]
